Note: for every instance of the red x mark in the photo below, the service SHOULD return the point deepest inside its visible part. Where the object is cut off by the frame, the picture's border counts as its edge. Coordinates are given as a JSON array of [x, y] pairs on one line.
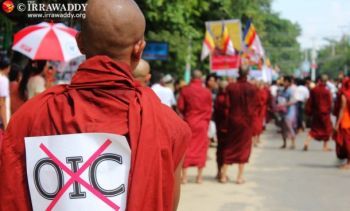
[[76, 176]]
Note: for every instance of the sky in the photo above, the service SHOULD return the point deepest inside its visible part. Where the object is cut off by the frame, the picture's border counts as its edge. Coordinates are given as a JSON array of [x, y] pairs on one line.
[[318, 19]]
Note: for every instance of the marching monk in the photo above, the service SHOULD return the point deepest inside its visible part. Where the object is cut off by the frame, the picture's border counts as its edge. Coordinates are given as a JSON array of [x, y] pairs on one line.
[[142, 73], [342, 127], [319, 107], [261, 112], [242, 102], [103, 97], [195, 104], [220, 118]]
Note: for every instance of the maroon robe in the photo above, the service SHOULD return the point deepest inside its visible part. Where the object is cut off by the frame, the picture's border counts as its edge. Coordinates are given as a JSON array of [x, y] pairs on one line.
[[242, 102], [103, 97], [195, 103], [261, 111], [221, 121], [319, 107]]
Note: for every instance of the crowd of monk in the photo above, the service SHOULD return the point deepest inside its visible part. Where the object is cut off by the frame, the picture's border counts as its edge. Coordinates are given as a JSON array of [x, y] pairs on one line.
[[109, 94], [242, 108]]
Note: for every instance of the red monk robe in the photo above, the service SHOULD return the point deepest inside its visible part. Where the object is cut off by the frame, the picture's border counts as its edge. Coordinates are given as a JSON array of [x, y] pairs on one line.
[[342, 137], [221, 122], [102, 98], [319, 107], [261, 111], [195, 103], [242, 103]]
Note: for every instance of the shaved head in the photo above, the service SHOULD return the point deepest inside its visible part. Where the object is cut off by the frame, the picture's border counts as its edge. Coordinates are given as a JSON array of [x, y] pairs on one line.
[[243, 70], [197, 74], [113, 28], [142, 72], [324, 78]]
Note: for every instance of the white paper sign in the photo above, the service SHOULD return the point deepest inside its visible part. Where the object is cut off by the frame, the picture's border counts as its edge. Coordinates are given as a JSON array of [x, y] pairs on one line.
[[78, 172]]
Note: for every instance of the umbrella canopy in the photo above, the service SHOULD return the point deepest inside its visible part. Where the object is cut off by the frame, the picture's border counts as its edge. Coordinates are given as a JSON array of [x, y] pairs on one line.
[[47, 41]]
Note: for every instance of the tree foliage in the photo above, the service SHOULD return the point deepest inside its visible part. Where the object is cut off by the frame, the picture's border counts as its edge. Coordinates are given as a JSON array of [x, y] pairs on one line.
[[181, 23], [334, 57]]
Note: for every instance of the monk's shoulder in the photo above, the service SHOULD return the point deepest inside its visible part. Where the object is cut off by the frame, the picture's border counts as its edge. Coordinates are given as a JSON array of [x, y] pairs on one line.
[[174, 123]]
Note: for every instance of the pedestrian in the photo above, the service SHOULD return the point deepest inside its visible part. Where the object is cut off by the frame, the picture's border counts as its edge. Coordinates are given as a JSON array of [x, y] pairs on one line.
[[4, 92], [142, 73], [15, 77], [342, 127], [302, 95], [36, 82], [319, 107], [221, 121], [211, 82], [142, 141], [195, 104], [261, 112], [288, 106], [165, 94], [242, 100]]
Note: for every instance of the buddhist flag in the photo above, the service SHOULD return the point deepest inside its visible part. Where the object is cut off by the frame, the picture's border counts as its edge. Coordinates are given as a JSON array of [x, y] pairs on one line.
[[252, 40], [227, 43], [208, 45]]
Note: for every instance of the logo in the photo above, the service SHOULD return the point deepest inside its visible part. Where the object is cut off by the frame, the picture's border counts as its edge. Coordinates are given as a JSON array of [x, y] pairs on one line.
[[78, 171], [8, 6]]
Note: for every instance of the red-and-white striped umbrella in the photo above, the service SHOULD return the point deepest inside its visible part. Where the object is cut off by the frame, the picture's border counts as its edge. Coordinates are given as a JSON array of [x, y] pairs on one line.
[[47, 41]]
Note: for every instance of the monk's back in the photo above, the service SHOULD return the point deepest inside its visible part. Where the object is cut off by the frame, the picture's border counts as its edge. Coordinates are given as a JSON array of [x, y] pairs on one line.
[[321, 98], [197, 101], [242, 99]]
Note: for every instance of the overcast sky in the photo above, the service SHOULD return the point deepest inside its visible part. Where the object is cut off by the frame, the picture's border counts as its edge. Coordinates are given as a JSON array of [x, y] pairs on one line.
[[318, 18]]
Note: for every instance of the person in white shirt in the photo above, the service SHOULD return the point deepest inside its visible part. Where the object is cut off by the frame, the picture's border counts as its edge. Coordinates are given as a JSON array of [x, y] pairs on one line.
[[302, 95], [165, 94], [4, 93]]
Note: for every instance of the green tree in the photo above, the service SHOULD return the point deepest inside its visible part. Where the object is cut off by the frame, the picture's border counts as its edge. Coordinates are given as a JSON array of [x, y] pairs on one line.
[[334, 57], [280, 42], [181, 23]]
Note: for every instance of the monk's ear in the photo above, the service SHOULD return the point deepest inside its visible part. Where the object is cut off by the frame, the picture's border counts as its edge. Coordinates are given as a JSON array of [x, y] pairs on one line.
[[138, 50], [79, 39]]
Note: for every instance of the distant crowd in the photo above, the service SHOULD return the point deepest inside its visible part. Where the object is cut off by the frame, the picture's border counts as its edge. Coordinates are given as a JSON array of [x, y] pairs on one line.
[[229, 113]]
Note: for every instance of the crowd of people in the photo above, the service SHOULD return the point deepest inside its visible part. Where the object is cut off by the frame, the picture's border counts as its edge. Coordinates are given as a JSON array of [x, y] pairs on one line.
[[240, 110], [218, 110]]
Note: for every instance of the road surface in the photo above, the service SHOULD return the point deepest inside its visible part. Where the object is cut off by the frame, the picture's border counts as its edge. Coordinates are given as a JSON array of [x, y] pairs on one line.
[[277, 180]]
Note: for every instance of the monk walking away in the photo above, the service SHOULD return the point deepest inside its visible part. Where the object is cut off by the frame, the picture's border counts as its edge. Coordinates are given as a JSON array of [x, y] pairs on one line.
[[241, 102], [319, 107], [195, 104], [221, 120], [102, 102], [142, 73], [342, 127]]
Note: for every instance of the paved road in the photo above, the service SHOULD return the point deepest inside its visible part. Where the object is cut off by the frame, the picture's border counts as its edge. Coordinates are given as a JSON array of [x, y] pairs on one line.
[[277, 180]]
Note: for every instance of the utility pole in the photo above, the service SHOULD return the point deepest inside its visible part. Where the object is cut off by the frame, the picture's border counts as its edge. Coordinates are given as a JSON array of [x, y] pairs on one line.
[[313, 60]]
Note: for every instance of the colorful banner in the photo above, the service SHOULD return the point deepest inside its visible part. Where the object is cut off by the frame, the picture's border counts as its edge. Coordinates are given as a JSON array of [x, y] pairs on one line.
[[218, 61], [224, 62]]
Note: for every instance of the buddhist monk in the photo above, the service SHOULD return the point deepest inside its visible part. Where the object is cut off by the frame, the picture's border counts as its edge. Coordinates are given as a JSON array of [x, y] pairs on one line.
[[261, 112], [142, 73], [220, 118], [342, 127], [195, 104], [102, 103], [242, 102], [319, 107]]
